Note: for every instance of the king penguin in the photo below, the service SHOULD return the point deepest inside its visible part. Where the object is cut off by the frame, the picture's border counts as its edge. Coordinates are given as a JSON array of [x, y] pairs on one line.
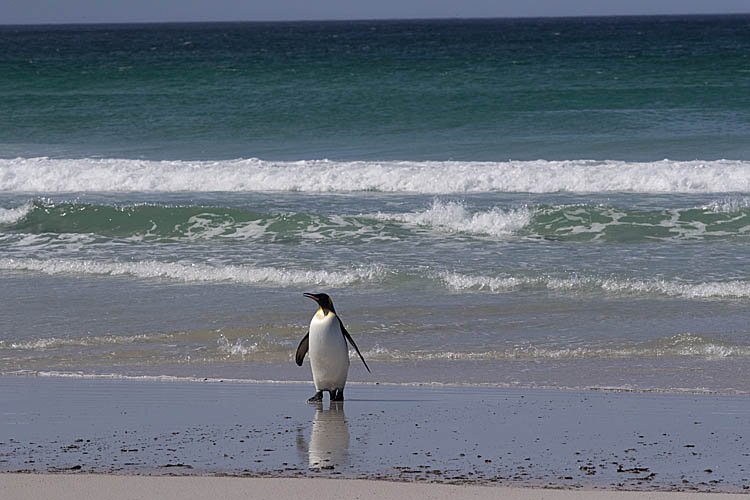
[[329, 355]]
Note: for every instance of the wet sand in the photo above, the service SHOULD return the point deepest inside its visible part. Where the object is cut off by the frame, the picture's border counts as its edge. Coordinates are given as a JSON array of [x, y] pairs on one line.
[[478, 436]]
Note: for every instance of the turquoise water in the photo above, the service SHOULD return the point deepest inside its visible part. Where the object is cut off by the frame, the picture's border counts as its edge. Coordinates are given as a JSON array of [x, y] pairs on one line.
[[542, 203]]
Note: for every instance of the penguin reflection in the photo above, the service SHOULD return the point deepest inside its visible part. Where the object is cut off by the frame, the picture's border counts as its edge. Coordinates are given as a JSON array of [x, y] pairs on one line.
[[329, 439]]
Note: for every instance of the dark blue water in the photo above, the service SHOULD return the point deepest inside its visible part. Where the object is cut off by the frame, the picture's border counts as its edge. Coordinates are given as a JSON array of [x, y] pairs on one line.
[[625, 88]]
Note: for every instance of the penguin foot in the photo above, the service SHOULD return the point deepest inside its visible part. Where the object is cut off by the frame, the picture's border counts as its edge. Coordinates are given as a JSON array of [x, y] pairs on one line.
[[337, 395], [317, 398]]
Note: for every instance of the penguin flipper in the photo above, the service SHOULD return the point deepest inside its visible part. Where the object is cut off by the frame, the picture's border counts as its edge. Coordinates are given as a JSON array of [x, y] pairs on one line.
[[302, 349], [351, 341]]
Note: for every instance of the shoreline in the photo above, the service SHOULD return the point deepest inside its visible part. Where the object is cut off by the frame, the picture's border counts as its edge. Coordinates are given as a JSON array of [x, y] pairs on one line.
[[512, 438], [479, 385]]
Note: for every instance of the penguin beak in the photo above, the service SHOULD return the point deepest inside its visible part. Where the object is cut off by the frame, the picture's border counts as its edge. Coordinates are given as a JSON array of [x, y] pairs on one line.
[[311, 296]]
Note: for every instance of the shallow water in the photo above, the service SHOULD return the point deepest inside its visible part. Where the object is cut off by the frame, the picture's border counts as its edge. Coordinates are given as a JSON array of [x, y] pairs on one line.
[[111, 283], [486, 202]]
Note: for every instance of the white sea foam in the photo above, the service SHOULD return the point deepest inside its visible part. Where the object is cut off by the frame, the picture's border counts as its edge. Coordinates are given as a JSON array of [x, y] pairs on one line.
[[728, 205], [210, 226], [240, 347], [705, 290], [265, 348], [454, 217], [188, 272], [106, 340], [688, 345], [11, 215], [540, 176]]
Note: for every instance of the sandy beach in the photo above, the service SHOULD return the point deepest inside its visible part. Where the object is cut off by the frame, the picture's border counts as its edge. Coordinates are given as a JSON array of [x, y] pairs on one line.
[[110, 487], [535, 229], [481, 437]]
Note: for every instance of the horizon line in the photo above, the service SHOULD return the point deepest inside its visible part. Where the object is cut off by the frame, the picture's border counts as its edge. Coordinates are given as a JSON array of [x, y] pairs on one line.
[[384, 19]]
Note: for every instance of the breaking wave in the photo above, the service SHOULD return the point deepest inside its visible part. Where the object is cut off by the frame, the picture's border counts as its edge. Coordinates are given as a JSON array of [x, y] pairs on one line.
[[706, 290], [686, 344], [455, 217], [12, 215], [165, 223], [722, 219], [208, 346], [191, 272], [384, 276], [42, 344], [433, 177]]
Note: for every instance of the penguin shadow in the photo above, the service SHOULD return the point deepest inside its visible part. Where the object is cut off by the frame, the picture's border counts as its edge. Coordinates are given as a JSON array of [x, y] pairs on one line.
[[328, 446]]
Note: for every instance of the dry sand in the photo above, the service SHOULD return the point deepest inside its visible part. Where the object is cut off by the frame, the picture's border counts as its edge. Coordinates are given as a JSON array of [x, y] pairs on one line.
[[111, 487]]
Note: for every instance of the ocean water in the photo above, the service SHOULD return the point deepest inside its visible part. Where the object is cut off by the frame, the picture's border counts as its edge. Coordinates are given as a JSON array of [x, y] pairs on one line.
[[557, 203]]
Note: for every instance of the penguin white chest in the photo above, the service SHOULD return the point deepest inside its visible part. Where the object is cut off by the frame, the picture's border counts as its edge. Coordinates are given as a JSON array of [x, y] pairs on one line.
[[329, 354]]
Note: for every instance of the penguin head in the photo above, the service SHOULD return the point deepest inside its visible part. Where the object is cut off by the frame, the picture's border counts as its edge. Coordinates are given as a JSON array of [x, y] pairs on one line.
[[323, 300]]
